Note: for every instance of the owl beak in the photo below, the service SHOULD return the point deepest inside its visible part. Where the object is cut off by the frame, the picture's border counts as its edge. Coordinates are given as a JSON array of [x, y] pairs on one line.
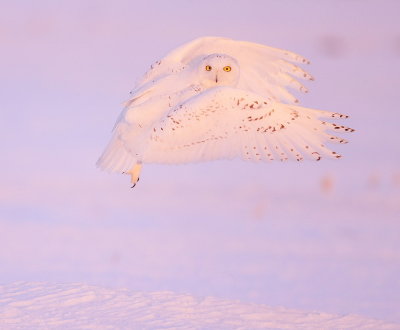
[[216, 79]]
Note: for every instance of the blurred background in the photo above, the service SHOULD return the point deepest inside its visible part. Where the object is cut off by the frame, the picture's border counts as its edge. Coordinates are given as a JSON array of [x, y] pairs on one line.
[[321, 236]]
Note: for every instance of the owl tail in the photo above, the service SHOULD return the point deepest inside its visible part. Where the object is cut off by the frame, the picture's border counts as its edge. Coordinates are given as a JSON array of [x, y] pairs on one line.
[[116, 158]]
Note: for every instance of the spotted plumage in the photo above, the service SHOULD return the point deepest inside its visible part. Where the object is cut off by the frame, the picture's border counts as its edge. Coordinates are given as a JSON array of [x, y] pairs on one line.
[[216, 98]]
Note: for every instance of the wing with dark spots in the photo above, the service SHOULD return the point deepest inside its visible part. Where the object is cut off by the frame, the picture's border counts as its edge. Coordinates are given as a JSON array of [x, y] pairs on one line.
[[226, 122]]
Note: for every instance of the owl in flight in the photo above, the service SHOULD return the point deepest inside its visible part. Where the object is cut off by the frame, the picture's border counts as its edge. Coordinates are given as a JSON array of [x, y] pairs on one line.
[[218, 98]]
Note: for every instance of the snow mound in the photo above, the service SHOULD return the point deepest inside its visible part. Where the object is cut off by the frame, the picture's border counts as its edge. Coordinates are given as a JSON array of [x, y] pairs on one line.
[[43, 305]]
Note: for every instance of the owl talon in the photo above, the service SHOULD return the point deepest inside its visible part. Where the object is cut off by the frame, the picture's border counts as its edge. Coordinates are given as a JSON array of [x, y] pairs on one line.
[[134, 185], [134, 173]]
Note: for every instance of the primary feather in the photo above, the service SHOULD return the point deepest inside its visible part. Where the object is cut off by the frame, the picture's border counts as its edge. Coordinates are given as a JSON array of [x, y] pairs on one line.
[[216, 98]]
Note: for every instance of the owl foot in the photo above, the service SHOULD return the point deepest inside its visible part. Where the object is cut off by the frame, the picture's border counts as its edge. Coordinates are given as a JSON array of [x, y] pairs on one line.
[[135, 183], [134, 173]]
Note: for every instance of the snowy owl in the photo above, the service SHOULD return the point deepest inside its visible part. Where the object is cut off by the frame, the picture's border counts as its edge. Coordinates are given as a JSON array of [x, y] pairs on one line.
[[218, 98]]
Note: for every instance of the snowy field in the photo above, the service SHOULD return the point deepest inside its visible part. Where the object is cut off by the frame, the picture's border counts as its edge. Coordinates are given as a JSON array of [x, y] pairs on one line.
[[219, 245], [35, 305]]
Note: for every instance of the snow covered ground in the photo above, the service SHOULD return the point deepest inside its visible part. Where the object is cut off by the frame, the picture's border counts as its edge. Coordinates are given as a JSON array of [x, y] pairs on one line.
[[76, 243], [72, 306]]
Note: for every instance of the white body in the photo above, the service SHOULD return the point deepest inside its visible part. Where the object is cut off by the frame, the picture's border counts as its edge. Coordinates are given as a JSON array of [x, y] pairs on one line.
[[216, 98]]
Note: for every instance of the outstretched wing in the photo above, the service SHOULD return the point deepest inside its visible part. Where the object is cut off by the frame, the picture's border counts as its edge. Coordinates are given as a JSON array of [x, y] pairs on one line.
[[226, 122], [265, 70]]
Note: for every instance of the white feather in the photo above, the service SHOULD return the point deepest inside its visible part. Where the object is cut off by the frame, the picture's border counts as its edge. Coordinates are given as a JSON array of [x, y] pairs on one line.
[[180, 112], [234, 123]]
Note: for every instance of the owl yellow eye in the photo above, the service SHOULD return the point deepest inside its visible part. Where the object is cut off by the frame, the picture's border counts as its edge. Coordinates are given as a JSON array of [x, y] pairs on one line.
[[227, 68], [208, 67]]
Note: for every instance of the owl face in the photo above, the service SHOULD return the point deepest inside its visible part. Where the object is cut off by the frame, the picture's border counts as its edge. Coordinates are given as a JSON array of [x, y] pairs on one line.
[[218, 70]]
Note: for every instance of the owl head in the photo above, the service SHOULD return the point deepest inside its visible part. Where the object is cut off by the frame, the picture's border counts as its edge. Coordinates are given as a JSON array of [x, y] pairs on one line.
[[218, 70]]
